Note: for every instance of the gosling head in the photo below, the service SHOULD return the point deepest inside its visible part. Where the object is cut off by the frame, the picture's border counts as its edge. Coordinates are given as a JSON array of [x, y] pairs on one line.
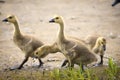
[[41, 52], [56, 19], [102, 42], [10, 19]]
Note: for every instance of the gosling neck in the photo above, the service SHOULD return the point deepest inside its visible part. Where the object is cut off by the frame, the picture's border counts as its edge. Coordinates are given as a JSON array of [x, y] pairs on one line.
[[61, 36], [97, 44], [17, 30], [52, 49]]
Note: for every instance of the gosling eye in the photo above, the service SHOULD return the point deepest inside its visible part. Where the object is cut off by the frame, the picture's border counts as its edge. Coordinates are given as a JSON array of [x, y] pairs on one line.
[[10, 17], [37, 53], [102, 43], [57, 17]]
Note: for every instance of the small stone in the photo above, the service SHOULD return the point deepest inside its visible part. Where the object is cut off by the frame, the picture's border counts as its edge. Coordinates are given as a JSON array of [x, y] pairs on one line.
[[53, 59], [119, 36], [112, 36], [41, 20]]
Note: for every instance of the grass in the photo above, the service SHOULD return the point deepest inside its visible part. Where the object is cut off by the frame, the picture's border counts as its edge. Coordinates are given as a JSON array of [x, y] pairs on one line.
[[72, 74], [110, 72]]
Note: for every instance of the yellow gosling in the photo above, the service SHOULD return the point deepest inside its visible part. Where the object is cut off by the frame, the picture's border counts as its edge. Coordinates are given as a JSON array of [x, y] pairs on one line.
[[82, 54], [44, 50], [94, 42], [26, 43], [100, 47]]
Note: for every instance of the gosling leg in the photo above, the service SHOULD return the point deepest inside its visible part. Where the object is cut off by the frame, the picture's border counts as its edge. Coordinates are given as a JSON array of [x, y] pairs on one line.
[[70, 65], [82, 68], [64, 63], [101, 62], [40, 63], [24, 61]]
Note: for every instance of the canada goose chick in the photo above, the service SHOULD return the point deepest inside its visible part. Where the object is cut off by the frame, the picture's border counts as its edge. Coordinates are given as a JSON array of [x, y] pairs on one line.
[[82, 53], [44, 50], [100, 47], [27, 44]]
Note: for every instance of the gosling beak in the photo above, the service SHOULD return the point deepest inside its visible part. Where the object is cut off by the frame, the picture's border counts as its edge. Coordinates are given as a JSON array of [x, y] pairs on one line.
[[51, 21], [4, 20], [104, 47]]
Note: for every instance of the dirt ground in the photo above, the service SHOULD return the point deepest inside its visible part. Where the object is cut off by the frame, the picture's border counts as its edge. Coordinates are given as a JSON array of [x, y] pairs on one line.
[[81, 17]]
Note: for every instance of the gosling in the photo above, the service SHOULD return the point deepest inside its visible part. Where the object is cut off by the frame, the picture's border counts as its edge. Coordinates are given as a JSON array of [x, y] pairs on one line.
[[64, 44], [44, 50], [27, 44], [96, 41], [100, 47]]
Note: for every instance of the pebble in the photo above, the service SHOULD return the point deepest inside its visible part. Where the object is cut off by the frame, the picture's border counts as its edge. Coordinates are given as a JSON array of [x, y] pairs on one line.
[[54, 59], [112, 35], [41, 20], [119, 36]]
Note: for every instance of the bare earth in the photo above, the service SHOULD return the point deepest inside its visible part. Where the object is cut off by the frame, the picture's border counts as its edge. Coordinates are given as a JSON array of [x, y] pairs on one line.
[[81, 17]]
